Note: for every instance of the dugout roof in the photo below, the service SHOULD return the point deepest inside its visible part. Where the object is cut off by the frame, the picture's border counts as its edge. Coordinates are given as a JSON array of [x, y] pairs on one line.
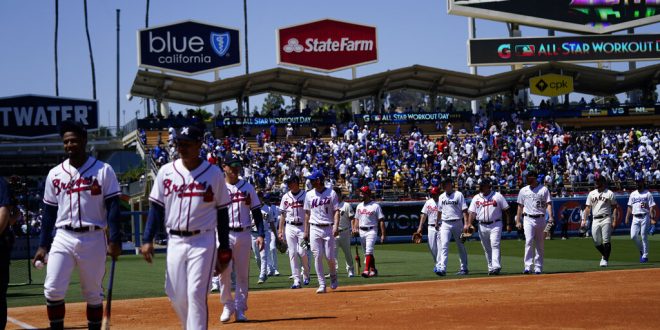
[[295, 83]]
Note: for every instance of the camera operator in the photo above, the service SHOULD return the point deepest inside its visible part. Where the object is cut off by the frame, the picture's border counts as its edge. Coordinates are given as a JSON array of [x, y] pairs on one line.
[[8, 216]]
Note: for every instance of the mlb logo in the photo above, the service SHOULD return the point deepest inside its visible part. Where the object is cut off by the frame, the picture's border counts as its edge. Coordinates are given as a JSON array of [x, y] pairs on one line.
[[220, 43], [525, 50]]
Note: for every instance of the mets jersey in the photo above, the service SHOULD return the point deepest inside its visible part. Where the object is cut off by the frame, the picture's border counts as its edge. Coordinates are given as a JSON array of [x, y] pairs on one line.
[[321, 205]]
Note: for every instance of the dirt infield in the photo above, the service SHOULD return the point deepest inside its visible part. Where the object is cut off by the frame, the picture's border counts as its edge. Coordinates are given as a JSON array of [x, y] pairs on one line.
[[607, 299]]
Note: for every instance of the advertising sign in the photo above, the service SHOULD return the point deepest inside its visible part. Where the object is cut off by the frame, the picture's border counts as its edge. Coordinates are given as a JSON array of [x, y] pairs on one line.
[[564, 49], [33, 116], [188, 47], [267, 121], [551, 85], [585, 16], [327, 45], [404, 117]]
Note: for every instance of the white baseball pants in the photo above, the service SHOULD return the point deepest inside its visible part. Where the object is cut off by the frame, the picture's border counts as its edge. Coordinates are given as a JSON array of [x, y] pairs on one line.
[[601, 230], [534, 240], [239, 242], [295, 235], [449, 229], [490, 236], [323, 246], [262, 257], [434, 242], [640, 227], [368, 240], [343, 241], [272, 247]]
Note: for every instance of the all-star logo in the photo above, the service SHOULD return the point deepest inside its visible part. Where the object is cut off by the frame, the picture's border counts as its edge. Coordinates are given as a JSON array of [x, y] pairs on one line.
[[541, 85]]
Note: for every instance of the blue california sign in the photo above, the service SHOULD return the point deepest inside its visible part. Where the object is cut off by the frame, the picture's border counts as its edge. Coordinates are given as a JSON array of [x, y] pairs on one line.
[[188, 47]]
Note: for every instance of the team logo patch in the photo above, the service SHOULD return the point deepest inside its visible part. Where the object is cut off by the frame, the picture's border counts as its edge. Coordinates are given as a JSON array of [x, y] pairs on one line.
[[220, 43]]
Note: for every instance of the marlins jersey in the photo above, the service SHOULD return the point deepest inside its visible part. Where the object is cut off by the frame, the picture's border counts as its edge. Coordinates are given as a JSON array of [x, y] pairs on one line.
[[452, 206], [488, 208], [641, 203], [368, 214], [601, 202], [431, 210], [321, 205], [243, 199], [345, 215], [80, 194], [292, 207], [534, 201], [190, 198]]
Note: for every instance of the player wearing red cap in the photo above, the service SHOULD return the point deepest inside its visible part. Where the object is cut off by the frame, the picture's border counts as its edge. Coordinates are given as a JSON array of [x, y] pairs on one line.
[[368, 215]]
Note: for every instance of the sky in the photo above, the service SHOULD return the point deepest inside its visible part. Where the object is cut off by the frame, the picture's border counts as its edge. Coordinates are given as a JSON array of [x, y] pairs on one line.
[[409, 32]]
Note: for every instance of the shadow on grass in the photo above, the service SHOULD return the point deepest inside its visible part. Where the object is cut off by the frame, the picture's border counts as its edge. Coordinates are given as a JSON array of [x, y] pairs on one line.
[[24, 294], [306, 318], [349, 290]]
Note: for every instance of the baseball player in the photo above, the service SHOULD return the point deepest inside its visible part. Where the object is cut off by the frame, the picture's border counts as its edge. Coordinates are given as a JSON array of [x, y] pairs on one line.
[[345, 227], [488, 207], [452, 212], [81, 198], [262, 256], [368, 216], [430, 213], [274, 222], [602, 205], [533, 203], [641, 207], [321, 226], [243, 203], [291, 228], [190, 196]]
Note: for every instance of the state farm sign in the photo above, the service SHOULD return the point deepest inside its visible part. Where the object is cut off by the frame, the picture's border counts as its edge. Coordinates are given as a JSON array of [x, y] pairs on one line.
[[327, 45]]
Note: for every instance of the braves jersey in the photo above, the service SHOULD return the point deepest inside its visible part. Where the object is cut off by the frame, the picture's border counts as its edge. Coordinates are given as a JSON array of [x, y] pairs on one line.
[[451, 206], [242, 200], [368, 214], [641, 203], [534, 201], [190, 198], [601, 202], [431, 210], [80, 193], [292, 207], [321, 205], [345, 215], [488, 208]]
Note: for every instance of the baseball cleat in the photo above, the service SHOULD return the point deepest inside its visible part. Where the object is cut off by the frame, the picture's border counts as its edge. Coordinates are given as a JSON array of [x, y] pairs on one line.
[[327, 275], [350, 274], [463, 272], [240, 316], [291, 277], [276, 273], [226, 314], [262, 279], [334, 283], [497, 271], [490, 272], [365, 274], [603, 262], [305, 280], [440, 272], [538, 272], [214, 287], [526, 272], [296, 286], [643, 260], [321, 289]]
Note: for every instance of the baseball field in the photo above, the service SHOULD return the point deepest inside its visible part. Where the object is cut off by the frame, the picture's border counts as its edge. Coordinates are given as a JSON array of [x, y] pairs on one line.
[[574, 292]]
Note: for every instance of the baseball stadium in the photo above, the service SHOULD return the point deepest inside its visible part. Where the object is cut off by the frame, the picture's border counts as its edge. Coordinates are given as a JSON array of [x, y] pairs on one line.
[[442, 164]]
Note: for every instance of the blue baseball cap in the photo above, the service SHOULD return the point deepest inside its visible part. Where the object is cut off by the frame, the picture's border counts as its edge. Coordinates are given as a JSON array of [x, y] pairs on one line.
[[316, 175]]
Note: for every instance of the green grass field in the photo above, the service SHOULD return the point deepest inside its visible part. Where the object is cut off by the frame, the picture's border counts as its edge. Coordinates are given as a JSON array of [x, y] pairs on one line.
[[396, 263]]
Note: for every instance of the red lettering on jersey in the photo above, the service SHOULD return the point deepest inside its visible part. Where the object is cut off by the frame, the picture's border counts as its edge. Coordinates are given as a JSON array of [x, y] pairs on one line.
[[208, 195], [365, 212], [431, 209], [95, 188], [194, 189], [78, 185], [487, 203]]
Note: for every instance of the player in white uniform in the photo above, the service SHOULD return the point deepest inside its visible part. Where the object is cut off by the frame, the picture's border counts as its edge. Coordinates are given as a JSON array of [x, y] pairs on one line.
[[271, 228], [191, 196], [489, 208], [345, 227], [430, 214], [602, 205], [243, 203], [291, 228], [262, 256], [641, 206], [321, 227], [533, 203], [368, 216], [80, 200], [452, 212]]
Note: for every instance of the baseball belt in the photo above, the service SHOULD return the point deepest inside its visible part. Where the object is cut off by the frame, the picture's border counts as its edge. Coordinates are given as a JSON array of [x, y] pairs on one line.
[[536, 216], [489, 222], [321, 224], [294, 223], [601, 217], [640, 215], [80, 229], [184, 233], [450, 220], [238, 229], [366, 228]]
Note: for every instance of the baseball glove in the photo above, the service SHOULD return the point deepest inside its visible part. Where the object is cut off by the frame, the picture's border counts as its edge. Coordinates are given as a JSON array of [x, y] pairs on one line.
[[467, 233], [548, 227], [223, 258], [281, 245], [304, 244], [417, 237]]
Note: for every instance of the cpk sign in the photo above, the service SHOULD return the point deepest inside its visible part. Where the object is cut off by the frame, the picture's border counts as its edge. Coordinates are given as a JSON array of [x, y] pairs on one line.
[[327, 45], [589, 16], [188, 47]]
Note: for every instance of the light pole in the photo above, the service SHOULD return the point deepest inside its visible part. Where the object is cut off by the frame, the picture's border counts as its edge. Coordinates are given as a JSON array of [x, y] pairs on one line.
[[247, 64]]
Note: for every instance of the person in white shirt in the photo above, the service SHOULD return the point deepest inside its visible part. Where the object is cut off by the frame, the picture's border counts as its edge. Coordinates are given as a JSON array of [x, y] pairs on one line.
[[289, 132], [291, 229], [533, 203], [262, 256], [489, 208], [602, 205], [452, 213], [642, 208], [368, 216], [343, 241], [273, 218], [430, 214]]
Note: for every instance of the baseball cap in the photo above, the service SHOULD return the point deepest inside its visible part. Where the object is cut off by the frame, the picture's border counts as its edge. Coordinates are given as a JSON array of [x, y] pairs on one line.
[[486, 182], [435, 191], [316, 175], [447, 179], [366, 190], [190, 133], [233, 160], [293, 178], [73, 126]]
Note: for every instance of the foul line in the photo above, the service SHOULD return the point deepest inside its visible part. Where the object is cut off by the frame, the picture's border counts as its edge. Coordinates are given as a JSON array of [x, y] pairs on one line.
[[20, 324]]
